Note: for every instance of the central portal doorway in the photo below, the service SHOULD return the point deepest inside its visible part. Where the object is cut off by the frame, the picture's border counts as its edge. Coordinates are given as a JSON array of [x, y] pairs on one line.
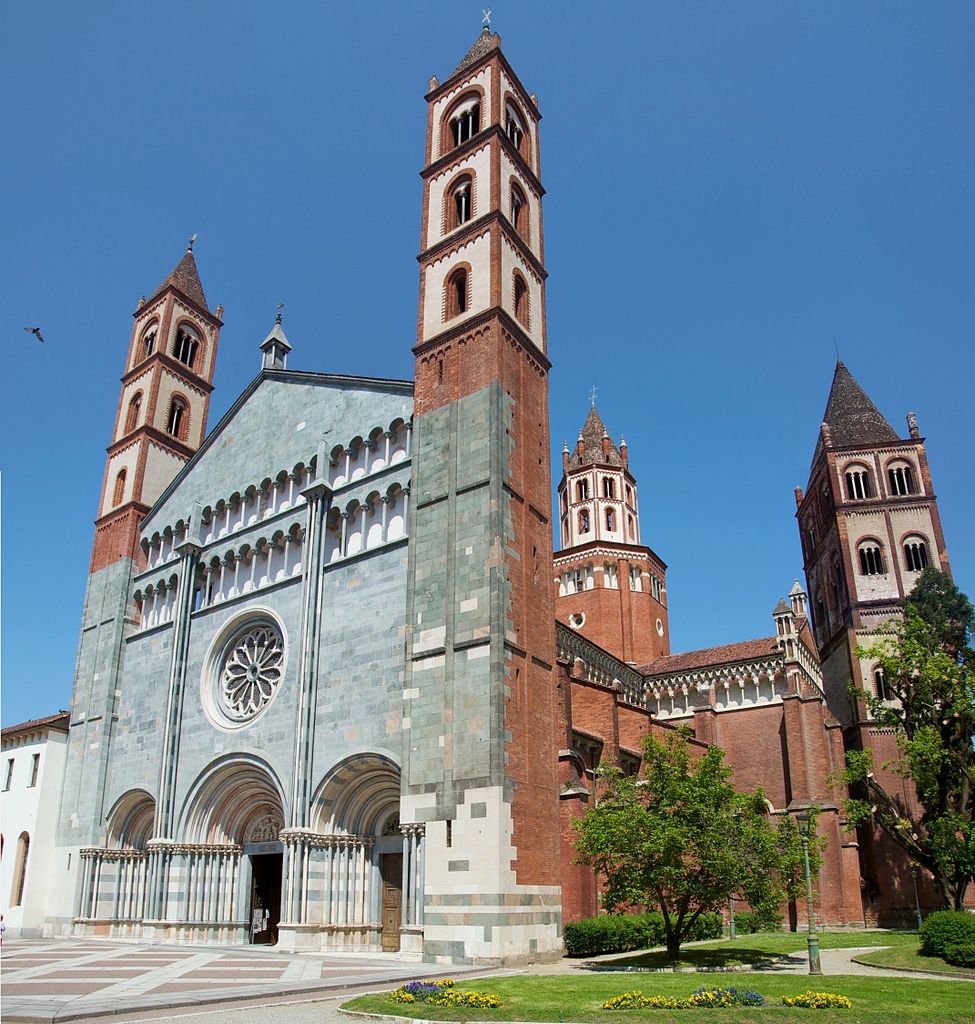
[[391, 867], [265, 911]]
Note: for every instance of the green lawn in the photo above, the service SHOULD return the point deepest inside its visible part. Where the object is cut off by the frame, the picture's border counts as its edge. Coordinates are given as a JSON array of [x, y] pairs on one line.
[[749, 949], [560, 998], [908, 956]]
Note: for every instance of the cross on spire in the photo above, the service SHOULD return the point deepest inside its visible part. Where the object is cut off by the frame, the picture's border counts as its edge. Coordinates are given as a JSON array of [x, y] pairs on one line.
[[593, 391], [196, 235], [277, 319], [486, 20]]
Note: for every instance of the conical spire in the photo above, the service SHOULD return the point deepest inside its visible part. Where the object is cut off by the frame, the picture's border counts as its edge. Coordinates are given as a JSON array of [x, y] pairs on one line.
[[185, 279], [592, 434], [850, 415], [484, 44]]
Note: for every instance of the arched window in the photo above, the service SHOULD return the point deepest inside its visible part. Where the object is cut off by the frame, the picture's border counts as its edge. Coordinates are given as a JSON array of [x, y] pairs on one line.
[[839, 584], [901, 478], [871, 559], [915, 554], [187, 344], [584, 521], [631, 523], [457, 293], [119, 492], [460, 203], [519, 211], [582, 490], [514, 128], [521, 300], [610, 520], [609, 487], [466, 123], [858, 483], [880, 683], [132, 416], [20, 870], [176, 421], [149, 340]]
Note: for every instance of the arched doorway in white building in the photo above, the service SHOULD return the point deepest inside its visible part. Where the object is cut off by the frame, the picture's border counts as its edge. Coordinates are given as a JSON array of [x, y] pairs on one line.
[[359, 856], [228, 866]]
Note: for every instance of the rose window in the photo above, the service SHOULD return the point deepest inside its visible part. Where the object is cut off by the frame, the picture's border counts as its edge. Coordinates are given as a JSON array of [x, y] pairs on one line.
[[252, 672]]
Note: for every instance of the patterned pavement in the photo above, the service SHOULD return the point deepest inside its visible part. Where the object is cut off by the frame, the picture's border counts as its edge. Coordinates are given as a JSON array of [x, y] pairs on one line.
[[75, 979]]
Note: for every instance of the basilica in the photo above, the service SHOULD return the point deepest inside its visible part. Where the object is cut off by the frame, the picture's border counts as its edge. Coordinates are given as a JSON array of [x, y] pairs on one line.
[[335, 690]]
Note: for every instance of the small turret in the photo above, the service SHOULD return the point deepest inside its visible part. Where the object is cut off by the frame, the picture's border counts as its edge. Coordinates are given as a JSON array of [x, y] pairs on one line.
[[275, 347]]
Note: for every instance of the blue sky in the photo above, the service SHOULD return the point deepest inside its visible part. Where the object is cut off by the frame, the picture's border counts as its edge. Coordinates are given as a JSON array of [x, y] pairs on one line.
[[730, 186]]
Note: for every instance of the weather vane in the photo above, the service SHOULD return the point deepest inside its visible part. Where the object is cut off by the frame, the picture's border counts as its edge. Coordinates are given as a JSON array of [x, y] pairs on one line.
[[277, 319], [196, 235], [486, 20], [593, 391]]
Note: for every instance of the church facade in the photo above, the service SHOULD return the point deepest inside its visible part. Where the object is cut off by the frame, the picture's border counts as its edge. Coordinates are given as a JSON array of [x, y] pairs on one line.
[[334, 689]]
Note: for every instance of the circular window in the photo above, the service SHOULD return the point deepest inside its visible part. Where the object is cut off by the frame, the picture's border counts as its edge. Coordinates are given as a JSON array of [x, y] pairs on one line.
[[246, 667], [577, 620], [660, 628], [251, 672]]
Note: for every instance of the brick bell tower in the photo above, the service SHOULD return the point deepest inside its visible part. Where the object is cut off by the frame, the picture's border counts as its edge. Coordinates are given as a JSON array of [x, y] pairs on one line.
[[480, 750], [160, 422], [869, 525], [609, 587]]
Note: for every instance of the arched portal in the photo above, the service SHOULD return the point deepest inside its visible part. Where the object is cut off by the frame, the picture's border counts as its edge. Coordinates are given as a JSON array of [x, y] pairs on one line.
[[355, 856], [229, 862]]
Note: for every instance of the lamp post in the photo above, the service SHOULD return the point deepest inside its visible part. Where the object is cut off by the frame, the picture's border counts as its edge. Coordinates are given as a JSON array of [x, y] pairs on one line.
[[812, 939], [917, 902], [731, 917]]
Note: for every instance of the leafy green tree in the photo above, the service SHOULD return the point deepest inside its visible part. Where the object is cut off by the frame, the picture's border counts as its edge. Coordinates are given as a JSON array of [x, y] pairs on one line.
[[680, 838], [928, 663]]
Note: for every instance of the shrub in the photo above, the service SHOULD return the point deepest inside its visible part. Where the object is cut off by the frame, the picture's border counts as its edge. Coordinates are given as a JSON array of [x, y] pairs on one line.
[[618, 933], [960, 954], [748, 921], [702, 999], [818, 1001], [946, 928]]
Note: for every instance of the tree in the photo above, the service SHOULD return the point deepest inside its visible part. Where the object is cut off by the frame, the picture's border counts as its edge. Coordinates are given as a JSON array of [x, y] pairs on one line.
[[680, 838], [927, 663]]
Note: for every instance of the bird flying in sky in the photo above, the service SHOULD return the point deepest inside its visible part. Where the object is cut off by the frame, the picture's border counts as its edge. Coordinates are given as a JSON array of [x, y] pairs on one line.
[[36, 331]]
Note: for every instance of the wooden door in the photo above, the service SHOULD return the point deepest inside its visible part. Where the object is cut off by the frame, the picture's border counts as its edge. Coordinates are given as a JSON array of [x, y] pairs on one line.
[[392, 872]]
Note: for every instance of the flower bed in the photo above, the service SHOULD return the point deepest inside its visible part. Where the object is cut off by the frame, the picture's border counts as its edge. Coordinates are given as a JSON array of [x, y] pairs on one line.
[[443, 993], [818, 1001], [703, 998]]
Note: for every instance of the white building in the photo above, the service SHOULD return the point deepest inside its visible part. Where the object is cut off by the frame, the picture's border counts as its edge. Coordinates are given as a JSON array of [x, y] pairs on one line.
[[33, 773]]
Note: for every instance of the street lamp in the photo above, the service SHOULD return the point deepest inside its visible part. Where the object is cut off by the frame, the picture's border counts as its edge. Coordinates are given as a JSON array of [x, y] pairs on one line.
[[731, 917], [812, 939], [917, 902]]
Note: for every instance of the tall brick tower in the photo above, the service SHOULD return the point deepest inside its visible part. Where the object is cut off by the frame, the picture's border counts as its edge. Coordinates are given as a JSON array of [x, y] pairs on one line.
[[869, 524], [609, 587], [480, 752], [160, 423]]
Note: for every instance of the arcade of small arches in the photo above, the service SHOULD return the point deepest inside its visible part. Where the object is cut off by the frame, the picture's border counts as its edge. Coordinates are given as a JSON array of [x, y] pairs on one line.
[[743, 686], [351, 879], [379, 519], [383, 447]]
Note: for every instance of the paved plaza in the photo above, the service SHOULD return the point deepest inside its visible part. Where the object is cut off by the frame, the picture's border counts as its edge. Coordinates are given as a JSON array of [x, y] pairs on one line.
[[89, 979], [78, 979]]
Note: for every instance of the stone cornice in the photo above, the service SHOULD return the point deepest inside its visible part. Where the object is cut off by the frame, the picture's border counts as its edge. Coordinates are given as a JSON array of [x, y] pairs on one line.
[[178, 369], [458, 238], [461, 152], [480, 320]]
